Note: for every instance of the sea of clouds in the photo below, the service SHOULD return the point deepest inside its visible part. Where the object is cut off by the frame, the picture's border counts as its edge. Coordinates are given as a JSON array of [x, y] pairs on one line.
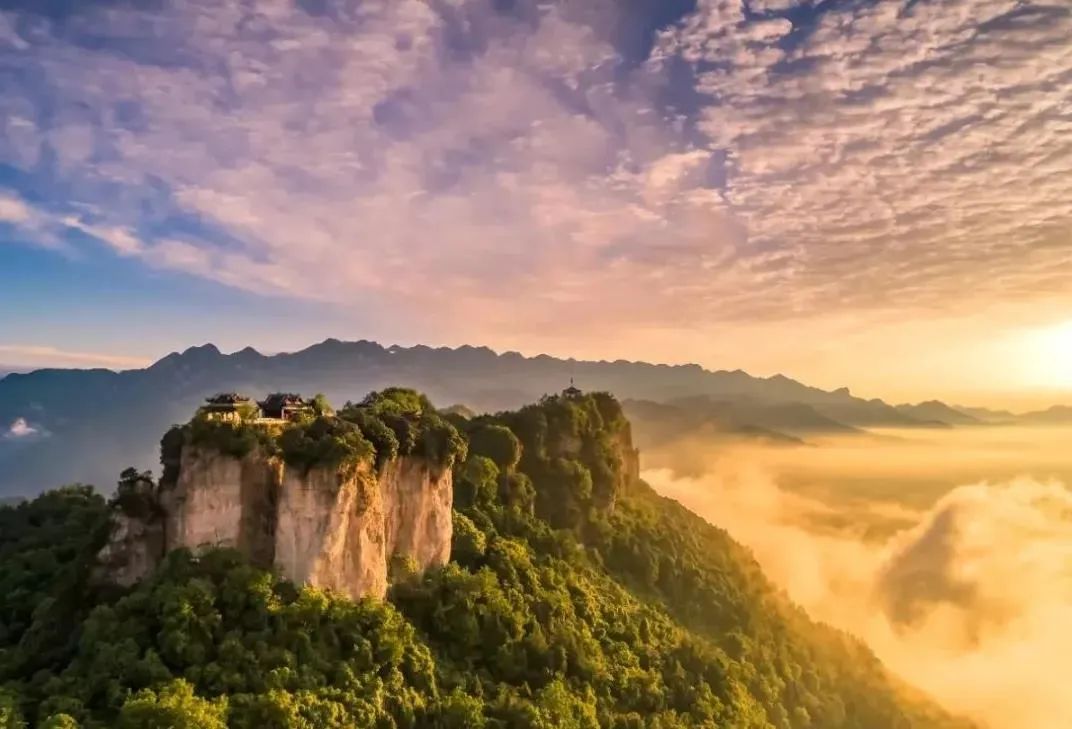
[[966, 598]]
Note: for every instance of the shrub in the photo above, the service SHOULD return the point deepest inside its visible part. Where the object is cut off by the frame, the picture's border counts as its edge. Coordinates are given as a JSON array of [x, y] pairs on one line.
[[324, 441], [135, 493], [400, 422], [496, 442], [237, 439], [468, 543]]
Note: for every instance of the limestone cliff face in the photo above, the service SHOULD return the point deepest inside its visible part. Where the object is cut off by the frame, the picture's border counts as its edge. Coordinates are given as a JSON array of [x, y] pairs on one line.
[[134, 549], [341, 529], [331, 531], [224, 501], [417, 502], [337, 528], [630, 456]]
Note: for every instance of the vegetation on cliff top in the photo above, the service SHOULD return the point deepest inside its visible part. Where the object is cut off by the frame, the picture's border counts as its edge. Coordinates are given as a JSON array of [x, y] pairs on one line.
[[556, 610], [403, 422], [383, 426]]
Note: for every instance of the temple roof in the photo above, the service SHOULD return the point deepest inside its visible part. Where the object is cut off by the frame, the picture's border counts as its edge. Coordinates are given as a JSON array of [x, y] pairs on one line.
[[279, 400], [228, 398]]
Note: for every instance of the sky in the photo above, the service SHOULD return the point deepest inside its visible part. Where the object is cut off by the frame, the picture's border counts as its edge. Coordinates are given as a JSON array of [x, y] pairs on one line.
[[871, 193]]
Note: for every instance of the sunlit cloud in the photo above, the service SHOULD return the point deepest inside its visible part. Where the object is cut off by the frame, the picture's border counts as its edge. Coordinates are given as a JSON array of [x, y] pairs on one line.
[[21, 355], [912, 567], [19, 429]]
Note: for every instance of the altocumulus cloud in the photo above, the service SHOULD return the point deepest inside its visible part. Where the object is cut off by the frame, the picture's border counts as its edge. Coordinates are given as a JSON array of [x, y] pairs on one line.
[[435, 158]]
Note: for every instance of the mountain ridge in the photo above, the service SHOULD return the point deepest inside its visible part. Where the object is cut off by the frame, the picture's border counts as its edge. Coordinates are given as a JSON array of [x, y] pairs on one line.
[[209, 353], [104, 419]]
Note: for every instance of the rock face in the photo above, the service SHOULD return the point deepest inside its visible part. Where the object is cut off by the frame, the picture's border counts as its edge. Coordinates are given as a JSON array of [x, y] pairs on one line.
[[335, 528], [135, 548], [224, 501], [341, 530], [331, 531], [630, 457], [417, 503]]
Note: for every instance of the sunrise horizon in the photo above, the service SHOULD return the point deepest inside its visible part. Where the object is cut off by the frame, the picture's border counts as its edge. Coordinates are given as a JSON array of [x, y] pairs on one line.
[[1025, 398]]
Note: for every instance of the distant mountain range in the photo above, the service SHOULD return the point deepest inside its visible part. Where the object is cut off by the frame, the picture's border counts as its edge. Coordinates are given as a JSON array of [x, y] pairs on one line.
[[938, 412], [59, 425], [659, 423]]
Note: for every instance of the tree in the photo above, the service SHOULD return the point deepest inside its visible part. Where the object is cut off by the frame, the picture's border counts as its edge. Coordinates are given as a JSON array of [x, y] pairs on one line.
[[321, 406], [496, 442], [59, 721], [134, 494], [175, 706], [468, 543], [10, 716]]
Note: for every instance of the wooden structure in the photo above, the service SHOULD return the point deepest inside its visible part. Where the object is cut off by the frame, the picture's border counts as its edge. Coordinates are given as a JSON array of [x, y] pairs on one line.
[[572, 392], [285, 406], [229, 406]]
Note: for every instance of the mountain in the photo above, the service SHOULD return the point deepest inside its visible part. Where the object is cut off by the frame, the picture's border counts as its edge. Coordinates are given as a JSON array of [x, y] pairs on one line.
[[872, 413], [938, 412], [987, 415], [657, 424], [776, 423], [1056, 415], [572, 596], [795, 418], [88, 424]]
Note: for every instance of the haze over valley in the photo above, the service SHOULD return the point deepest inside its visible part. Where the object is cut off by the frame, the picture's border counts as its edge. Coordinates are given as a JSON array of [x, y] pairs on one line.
[[947, 551]]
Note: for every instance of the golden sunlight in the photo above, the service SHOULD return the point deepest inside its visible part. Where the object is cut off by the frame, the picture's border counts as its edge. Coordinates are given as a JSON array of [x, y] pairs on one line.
[[1046, 356]]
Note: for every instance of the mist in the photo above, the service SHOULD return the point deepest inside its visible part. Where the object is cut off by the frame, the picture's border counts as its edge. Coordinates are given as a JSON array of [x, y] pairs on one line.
[[949, 552]]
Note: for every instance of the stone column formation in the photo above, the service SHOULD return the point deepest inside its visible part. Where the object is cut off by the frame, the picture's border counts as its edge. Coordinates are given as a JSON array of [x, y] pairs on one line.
[[335, 528]]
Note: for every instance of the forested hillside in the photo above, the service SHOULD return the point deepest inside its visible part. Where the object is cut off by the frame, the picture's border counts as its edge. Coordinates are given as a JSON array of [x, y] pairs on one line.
[[575, 597]]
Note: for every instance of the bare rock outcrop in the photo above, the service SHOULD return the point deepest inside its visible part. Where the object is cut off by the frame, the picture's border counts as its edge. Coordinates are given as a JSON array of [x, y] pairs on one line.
[[220, 500], [134, 549], [338, 528], [331, 531], [341, 529], [417, 503]]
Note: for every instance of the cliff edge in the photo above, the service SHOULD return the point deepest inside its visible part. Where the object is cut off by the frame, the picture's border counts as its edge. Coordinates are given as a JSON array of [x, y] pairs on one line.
[[330, 500]]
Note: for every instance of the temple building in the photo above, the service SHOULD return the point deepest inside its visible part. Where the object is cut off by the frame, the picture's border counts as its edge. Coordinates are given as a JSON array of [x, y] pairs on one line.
[[229, 406], [285, 406], [572, 392]]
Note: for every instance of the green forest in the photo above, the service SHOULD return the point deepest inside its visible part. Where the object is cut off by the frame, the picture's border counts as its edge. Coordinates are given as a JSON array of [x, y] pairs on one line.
[[576, 597]]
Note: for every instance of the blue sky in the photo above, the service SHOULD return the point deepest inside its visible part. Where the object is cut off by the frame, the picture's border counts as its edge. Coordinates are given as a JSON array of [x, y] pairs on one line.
[[705, 179]]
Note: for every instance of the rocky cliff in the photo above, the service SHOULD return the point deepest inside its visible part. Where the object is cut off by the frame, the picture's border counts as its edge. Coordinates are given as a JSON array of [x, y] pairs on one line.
[[222, 500], [337, 527]]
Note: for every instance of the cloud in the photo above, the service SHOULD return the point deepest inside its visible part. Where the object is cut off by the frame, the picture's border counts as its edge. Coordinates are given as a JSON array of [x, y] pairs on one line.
[[895, 152], [22, 355], [962, 593], [19, 428], [14, 210], [36, 227], [397, 154], [434, 161]]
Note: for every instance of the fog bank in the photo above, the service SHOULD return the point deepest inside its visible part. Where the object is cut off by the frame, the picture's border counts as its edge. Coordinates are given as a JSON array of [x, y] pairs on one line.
[[963, 590]]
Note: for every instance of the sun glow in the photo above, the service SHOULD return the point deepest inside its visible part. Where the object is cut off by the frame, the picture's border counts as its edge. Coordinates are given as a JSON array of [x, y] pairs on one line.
[[1046, 354]]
